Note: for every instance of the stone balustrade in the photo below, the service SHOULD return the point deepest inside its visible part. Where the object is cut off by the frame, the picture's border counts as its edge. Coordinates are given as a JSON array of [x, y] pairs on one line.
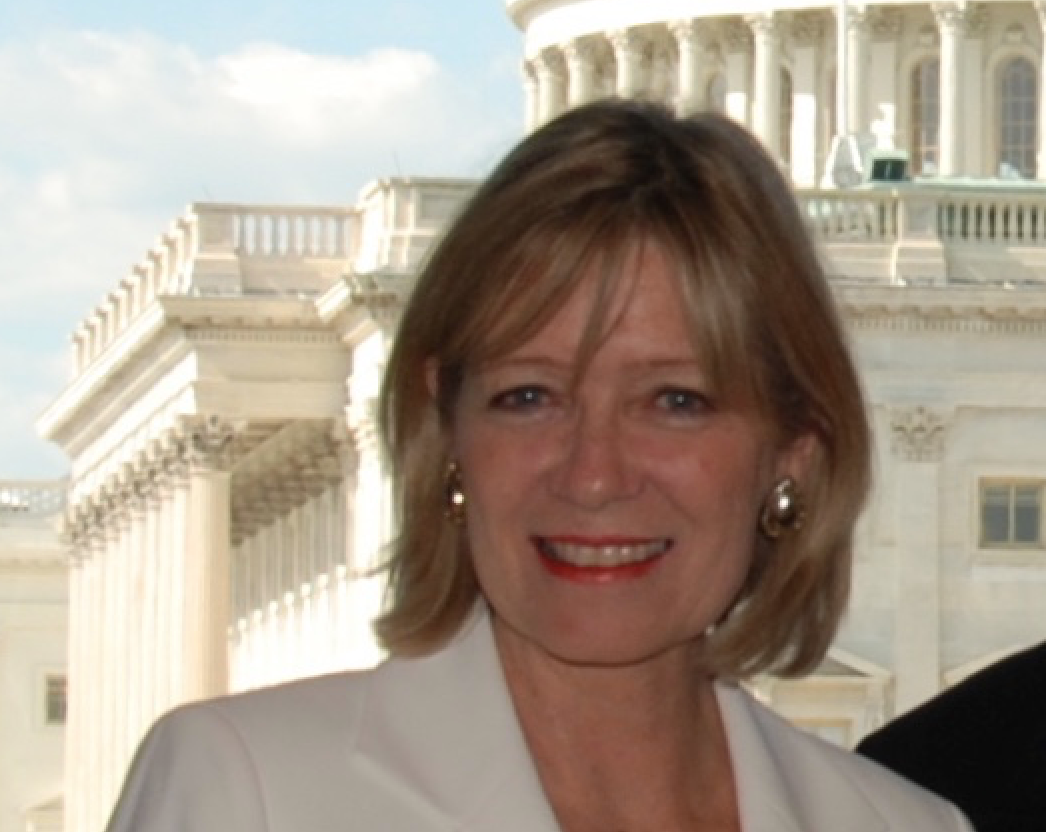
[[975, 234], [212, 250], [31, 498]]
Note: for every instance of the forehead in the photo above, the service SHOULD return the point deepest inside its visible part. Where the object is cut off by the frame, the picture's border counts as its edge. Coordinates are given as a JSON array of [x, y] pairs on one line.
[[640, 308]]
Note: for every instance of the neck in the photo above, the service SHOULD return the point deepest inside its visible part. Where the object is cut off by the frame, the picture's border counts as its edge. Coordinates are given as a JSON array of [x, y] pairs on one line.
[[629, 747]]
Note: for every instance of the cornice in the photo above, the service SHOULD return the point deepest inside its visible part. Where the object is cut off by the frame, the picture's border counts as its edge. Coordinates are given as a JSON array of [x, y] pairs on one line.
[[183, 321], [943, 309]]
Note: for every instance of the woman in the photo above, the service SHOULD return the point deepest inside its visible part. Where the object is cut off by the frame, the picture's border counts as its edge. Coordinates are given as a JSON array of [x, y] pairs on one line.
[[630, 448]]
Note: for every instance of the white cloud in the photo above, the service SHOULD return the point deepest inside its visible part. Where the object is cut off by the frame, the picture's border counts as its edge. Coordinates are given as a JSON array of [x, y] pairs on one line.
[[108, 138]]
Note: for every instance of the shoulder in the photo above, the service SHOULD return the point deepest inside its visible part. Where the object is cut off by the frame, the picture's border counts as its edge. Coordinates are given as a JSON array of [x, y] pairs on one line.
[[997, 708], [829, 787], [979, 743], [232, 762]]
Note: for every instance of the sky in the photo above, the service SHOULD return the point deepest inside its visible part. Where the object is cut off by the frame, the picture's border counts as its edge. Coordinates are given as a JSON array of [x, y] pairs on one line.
[[114, 116]]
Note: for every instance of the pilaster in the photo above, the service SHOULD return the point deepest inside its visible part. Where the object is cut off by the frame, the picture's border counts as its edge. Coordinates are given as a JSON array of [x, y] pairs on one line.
[[917, 442]]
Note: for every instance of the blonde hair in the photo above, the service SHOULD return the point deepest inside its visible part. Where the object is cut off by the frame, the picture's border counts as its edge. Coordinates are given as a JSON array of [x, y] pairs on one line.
[[579, 194]]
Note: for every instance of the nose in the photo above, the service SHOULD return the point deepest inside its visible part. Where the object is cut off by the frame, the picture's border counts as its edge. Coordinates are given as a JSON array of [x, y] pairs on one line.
[[596, 467]]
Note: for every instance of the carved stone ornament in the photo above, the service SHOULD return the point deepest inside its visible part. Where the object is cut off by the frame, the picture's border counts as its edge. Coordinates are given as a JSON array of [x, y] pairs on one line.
[[808, 28], [917, 434], [885, 23], [737, 36], [951, 17], [210, 443]]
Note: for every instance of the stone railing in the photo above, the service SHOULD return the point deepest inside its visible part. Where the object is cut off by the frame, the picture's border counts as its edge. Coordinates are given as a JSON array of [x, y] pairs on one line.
[[32, 498], [212, 250], [963, 233]]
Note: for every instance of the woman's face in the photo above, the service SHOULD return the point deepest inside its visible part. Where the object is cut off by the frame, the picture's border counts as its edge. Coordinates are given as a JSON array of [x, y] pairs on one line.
[[613, 520]]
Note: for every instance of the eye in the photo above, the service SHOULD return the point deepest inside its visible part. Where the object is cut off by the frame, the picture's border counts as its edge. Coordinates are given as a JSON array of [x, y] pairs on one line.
[[681, 401], [521, 399]]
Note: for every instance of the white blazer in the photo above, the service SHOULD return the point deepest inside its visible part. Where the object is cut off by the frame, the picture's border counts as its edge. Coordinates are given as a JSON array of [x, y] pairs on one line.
[[433, 744]]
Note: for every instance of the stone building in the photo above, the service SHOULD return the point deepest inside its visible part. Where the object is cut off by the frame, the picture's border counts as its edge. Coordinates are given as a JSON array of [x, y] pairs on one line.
[[33, 625], [228, 503]]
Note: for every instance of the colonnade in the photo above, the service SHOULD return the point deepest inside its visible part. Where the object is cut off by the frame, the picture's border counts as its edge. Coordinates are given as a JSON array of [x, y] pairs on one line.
[[218, 559], [686, 63]]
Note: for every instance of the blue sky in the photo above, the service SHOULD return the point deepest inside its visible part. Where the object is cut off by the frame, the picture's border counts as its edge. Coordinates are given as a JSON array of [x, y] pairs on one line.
[[118, 115]]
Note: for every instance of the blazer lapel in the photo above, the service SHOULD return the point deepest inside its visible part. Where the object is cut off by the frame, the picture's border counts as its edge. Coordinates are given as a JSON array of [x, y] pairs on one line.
[[783, 783], [443, 729]]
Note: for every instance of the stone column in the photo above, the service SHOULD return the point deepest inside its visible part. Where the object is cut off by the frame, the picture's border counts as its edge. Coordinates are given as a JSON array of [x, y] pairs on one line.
[[552, 83], [685, 33], [111, 692], [951, 20], [135, 565], [531, 97], [885, 31], [207, 561], [90, 762], [578, 55], [918, 446], [1040, 160], [857, 71], [766, 103], [627, 45], [807, 37], [738, 39]]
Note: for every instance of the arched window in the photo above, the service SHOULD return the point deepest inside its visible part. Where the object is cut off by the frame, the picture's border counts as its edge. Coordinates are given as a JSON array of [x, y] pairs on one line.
[[786, 116], [715, 94], [1018, 108], [925, 116]]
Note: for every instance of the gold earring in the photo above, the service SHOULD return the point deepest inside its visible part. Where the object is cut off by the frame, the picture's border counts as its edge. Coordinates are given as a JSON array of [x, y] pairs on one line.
[[454, 506], [783, 511]]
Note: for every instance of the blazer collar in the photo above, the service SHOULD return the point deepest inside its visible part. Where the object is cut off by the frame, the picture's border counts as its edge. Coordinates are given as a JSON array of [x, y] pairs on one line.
[[444, 728], [787, 782]]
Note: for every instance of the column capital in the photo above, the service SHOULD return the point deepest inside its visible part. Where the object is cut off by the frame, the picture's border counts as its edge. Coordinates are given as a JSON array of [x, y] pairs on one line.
[[686, 31], [737, 36], [626, 42], [918, 433], [549, 63], [1040, 12], [763, 24], [858, 20], [578, 51], [885, 23], [209, 442], [951, 18], [808, 28]]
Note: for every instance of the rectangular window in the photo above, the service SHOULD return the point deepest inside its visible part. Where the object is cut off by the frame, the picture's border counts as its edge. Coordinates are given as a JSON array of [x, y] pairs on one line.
[[55, 693], [1011, 514]]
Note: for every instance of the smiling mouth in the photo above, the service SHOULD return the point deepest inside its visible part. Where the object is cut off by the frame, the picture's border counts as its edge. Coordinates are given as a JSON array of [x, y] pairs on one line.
[[601, 555]]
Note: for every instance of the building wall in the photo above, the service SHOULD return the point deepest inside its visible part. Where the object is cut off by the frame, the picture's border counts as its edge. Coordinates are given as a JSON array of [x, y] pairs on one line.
[[33, 625]]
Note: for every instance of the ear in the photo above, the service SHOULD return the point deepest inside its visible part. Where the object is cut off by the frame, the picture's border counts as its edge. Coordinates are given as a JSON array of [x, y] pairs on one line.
[[798, 456]]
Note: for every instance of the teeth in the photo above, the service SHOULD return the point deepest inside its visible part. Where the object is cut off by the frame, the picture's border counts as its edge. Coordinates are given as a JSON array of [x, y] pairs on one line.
[[579, 555]]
